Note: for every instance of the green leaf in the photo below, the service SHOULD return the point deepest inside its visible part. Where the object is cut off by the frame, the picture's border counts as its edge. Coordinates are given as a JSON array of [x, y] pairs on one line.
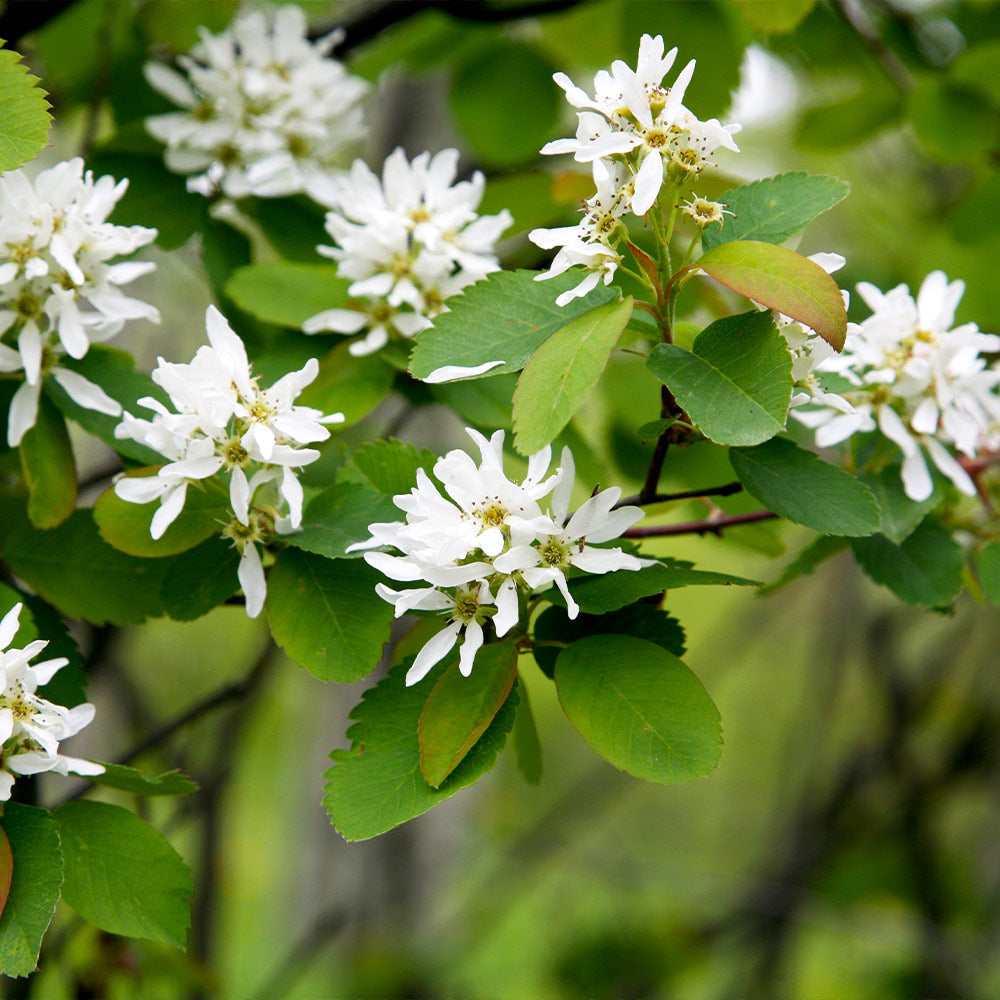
[[735, 383], [6, 869], [849, 122], [482, 109], [75, 570], [293, 226], [223, 250], [560, 374], [122, 875], [781, 280], [483, 403], [598, 595], [639, 707], [377, 784], [349, 385], [988, 565], [900, 514], [775, 16], [391, 466], [925, 569], [507, 317], [816, 552], [200, 579], [326, 615], [643, 621], [527, 746], [113, 370], [34, 886], [338, 517], [39, 621], [459, 709], [24, 112], [48, 467], [800, 486], [125, 525], [953, 121], [128, 779], [775, 208], [287, 293]]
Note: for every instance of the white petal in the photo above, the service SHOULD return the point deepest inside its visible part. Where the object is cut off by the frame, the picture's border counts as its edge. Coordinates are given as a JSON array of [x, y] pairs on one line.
[[85, 393], [451, 373], [251, 577], [648, 182], [23, 412], [473, 640], [435, 649]]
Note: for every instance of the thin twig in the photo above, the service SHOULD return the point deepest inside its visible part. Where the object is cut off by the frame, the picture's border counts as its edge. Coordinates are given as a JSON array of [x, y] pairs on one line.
[[711, 525], [710, 491], [861, 24]]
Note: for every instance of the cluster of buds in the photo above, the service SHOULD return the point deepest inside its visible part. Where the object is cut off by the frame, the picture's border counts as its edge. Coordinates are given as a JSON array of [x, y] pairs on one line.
[[407, 242], [225, 424], [59, 290], [265, 109], [639, 137], [31, 727], [487, 544]]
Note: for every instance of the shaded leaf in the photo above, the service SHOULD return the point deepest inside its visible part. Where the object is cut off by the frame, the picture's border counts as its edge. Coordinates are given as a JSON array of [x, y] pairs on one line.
[[287, 293], [338, 517], [391, 466], [346, 384], [816, 552], [128, 779], [48, 467], [527, 746], [200, 579], [6, 869], [900, 514]]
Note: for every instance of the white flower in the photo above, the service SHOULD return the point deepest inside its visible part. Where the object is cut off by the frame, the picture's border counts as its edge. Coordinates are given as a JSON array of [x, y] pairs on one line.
[[478, 548], [224, 422], [925, 386], [59, 290], [265, 109], [408, 242], [30, 726]]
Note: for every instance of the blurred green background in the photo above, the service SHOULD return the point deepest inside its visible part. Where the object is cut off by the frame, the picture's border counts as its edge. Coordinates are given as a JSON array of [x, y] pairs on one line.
[[848, 844]]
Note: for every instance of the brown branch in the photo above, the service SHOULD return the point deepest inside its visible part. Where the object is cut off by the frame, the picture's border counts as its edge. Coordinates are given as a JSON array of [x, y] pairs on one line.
[[711, 525], [861, 24], [709, 491]]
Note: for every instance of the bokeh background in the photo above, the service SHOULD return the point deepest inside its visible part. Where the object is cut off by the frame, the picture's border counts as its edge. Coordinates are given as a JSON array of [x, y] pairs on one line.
[[849, 843]]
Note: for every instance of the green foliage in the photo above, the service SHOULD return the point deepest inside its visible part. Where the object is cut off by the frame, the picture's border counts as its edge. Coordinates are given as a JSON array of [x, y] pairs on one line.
[[326, 615], [900, 514], [925, 569], [988, 565], [527, 746], [736, 381], [482, 110], [24, 112], [783, 281], [953, 121], [121, 874], [459, 709], [6, 868], [200, 579], [798, 485], [128, 779], [561, 373], [48, 468], [391, 466], [639, 707], [775, 208], [507, 317], [775, 16], [286, 292], [338, 517], [815, 553], [824, 127], [34, 886], [125, 525], [643, 621], [75, 570], [377, 784], [346, 384], [293, 226]]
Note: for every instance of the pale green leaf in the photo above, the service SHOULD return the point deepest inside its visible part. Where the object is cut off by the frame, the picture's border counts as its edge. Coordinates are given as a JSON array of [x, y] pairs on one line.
[[736, 381], [561, 373], [505, 317], [639, 707], [287, 293], [527, 746], [346, 384], [48, 467], [391, 466], [24, 112], [988, 566], [128, 779], [122, 875]]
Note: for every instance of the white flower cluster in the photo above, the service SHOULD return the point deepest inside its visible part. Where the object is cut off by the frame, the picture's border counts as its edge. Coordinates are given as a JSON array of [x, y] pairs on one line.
[[30, 726], [407, 243], [636, 133], [488, 540], [226, 423], [925, 386], [59, 293], [265, 109]]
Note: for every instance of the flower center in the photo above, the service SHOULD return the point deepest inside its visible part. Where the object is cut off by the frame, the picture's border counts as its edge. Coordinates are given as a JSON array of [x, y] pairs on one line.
[[552, 553], [235, 455], [493, 514]]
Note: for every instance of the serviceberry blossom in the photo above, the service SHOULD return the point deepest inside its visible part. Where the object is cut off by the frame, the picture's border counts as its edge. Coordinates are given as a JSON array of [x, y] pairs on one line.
[[638, 136], [265, 109], [486, 541], [30, 726], [225, 424], [407, 242], [59, 290], [923, 385]]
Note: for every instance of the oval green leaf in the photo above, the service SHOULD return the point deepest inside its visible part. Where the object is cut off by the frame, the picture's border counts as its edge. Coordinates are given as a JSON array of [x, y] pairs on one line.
[[639, 707], [6, 869], [560, 374], [24, 112], [48, 467], [287, 293], [781, 280], [459, 709]]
